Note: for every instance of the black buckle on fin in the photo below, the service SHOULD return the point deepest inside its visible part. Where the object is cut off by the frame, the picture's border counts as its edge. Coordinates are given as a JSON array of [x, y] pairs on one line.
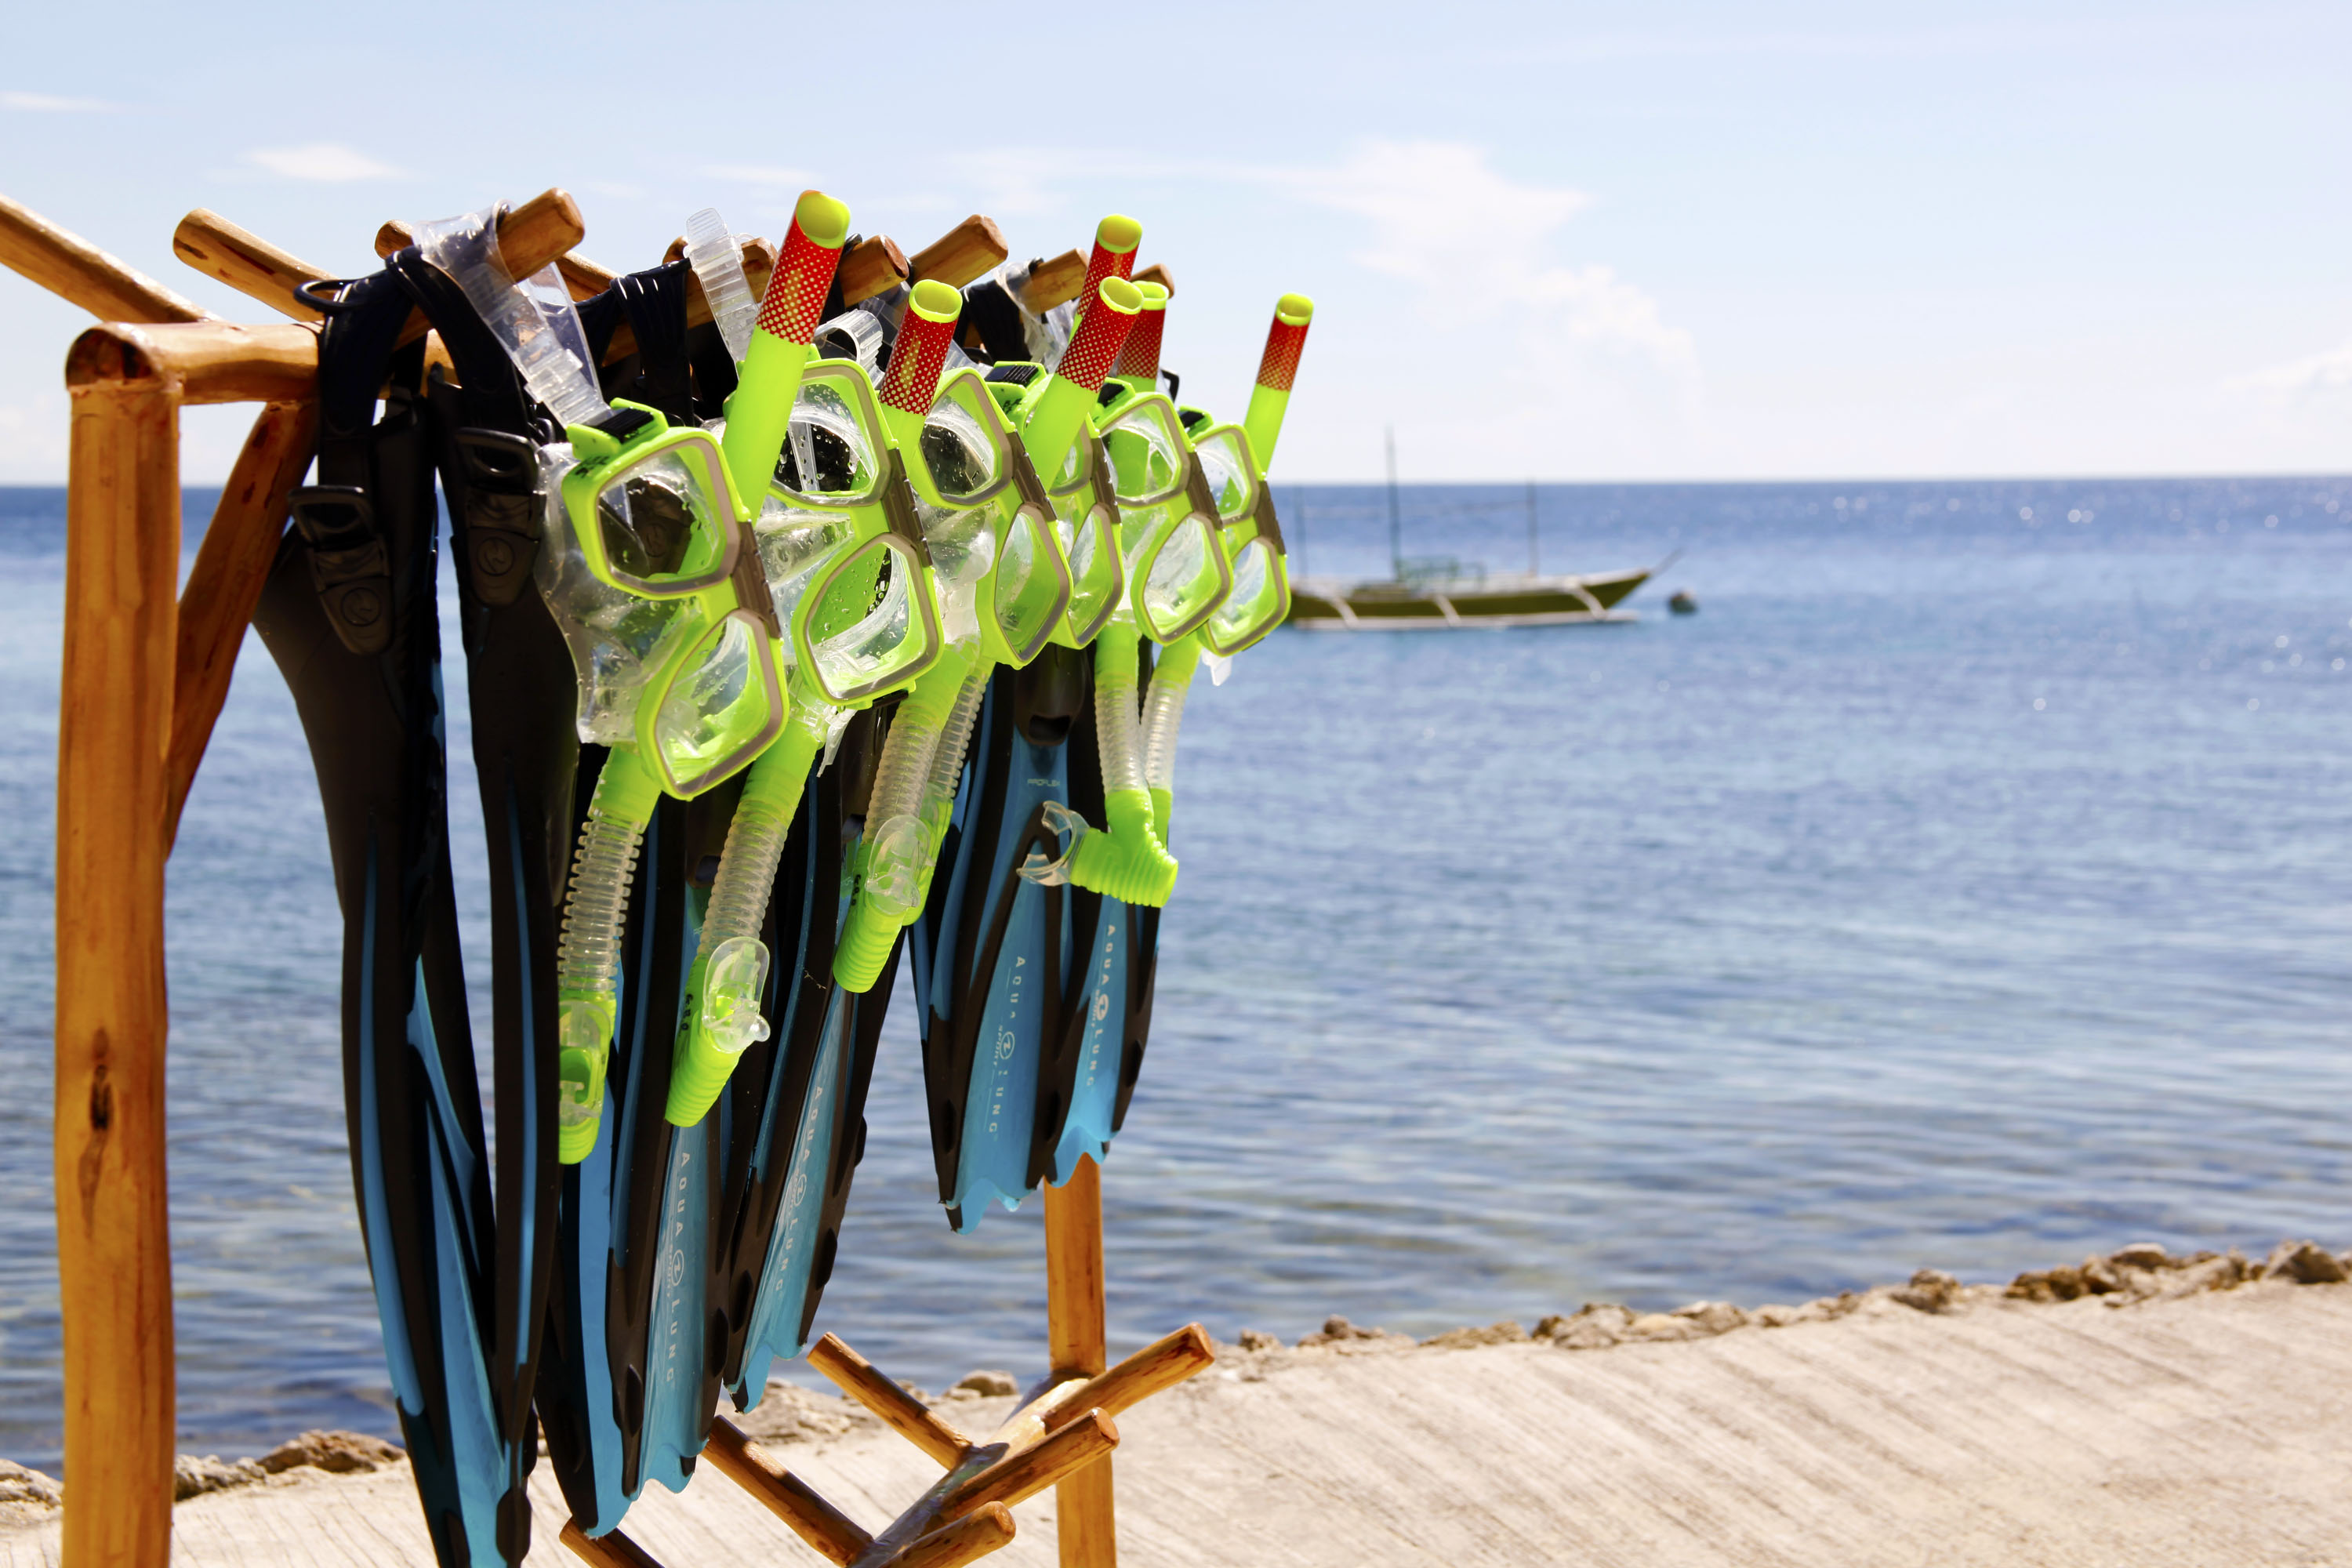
[[349, 569], [502, 507]]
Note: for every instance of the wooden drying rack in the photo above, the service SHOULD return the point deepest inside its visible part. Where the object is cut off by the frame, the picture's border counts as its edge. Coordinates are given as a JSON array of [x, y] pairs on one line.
[[146, 671]]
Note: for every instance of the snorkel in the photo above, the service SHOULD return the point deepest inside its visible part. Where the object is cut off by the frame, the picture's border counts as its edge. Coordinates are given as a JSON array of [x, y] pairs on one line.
[[1227, 457], [1220, 584], [1015, 617], [659, 591], [849, 643]]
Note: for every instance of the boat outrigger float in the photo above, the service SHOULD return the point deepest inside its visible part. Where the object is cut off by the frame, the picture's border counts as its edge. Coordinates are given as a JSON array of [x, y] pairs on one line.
[[1450, 599]]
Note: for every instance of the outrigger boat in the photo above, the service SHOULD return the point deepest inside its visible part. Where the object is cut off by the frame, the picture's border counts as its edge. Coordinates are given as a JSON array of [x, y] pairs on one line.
[[1451, 598], [1439, 593]]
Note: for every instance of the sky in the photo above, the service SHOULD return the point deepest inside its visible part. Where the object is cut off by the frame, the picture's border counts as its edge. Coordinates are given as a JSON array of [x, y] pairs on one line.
[[1564, 243]]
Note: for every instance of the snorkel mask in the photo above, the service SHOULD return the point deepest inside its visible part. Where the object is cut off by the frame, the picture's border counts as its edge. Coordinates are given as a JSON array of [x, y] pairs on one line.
[[653, 577], [851, 576]]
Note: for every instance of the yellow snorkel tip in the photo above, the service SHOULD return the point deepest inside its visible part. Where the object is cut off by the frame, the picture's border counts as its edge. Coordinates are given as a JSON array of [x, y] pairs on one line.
[[1118, 234], [1124, 297], [935, 302], [1294, 310], [1155, 298], [825, 221]]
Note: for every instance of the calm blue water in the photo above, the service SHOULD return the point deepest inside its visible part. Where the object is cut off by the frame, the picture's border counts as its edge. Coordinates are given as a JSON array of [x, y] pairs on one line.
[[1958, 887]]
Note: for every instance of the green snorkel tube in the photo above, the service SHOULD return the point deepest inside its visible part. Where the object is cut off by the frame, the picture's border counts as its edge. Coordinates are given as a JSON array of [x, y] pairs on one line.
[[659, 518], [1226, 461], [859, 598], [1025, 592]]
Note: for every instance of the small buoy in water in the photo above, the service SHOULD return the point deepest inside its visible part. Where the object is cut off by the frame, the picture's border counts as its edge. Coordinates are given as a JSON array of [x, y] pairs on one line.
[[1682, 604]]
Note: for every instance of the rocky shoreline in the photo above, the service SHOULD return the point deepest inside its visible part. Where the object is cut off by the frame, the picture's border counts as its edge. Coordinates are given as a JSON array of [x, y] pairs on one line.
[[2141, 1273]]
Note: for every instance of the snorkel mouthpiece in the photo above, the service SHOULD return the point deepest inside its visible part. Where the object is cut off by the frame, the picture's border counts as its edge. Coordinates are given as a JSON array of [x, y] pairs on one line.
[[1286, 340]]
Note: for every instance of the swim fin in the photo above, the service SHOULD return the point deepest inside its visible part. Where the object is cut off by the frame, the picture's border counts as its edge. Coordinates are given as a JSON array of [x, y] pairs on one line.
[[349, 614], [800, 1095], [1033, 999]]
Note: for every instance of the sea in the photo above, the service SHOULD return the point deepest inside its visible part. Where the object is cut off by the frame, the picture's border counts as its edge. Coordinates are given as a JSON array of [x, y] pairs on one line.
[[1967, 884]]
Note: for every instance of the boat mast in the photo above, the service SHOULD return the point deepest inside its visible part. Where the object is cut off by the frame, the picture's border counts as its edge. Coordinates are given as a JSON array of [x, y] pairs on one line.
[[1396, 529], [1535, 559]]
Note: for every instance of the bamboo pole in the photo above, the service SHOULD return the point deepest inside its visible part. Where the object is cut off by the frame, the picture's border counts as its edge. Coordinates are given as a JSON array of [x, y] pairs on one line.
[[830, 1532], [530, 237], [875, 265], [245, 262], [114, 1261], [967, 251], [1084, 1515], [224, 584], [76, 271], [1056, 281], [899, 1410], [206, 362]]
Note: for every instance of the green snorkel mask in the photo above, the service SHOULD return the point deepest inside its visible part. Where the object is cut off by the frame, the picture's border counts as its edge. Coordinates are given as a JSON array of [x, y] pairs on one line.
[[656, 517], [915, 782], [851, 576], [652, 574]]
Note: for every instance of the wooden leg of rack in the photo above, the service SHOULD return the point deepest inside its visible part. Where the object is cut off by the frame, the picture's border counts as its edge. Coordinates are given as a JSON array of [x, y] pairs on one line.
[[1075, 1333], [899, 1410], [114, 1252], [1161, 1364], [967, 1540], [789, 1498], [232, 565]]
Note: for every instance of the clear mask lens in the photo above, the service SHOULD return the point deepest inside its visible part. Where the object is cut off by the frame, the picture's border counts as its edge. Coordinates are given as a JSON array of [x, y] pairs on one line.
[[864, 624], [831, 455], [721, 710], [1098, 572], [966, 462], [795, 545], [1182, 581], [1259, 600], [1074, 471], [1147, 453], [1228, 468], [1032, 588], [665, 523]]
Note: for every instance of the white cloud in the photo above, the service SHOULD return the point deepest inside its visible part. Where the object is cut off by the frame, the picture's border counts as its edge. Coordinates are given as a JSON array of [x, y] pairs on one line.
[[49, 103], [2310, 376], [326, 163], [1477, 245]]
